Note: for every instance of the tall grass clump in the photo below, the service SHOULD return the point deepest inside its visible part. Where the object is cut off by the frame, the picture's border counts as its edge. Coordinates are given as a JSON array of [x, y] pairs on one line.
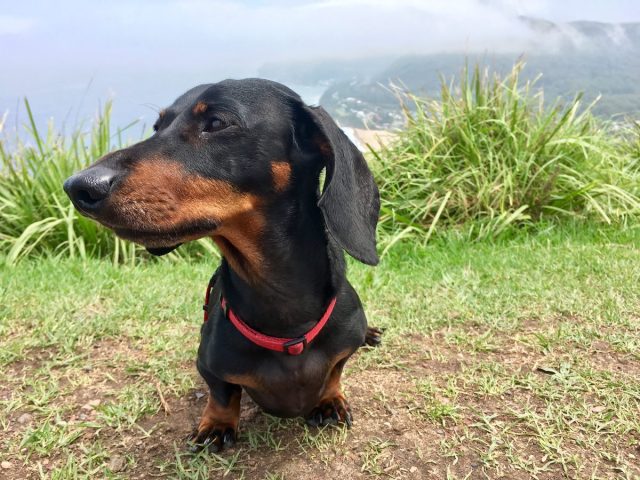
[[37, 216], [631, 146], [490, 154]]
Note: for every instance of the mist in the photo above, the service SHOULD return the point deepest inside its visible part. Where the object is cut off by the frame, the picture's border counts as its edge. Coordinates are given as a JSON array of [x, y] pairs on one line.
[[68, 56]]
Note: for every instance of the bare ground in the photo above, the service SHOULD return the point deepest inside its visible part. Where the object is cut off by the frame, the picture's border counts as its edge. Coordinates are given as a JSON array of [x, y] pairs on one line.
[[418, 414]]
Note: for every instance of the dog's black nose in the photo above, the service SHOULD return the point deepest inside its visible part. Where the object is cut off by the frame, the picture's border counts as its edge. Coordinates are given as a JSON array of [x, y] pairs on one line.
[[88, 189]]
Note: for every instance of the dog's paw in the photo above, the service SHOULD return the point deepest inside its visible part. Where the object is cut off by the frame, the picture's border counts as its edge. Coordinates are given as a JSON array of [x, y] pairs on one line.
[[373, 337], [213, 438], [331, 412]]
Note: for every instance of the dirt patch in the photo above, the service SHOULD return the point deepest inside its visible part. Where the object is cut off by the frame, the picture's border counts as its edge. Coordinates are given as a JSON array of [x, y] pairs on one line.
[[417, 410], [384, 439]]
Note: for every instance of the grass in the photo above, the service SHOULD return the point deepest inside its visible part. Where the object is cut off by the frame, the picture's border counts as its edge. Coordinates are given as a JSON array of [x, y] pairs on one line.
[[514, 357], [490, 153], [37, 217]]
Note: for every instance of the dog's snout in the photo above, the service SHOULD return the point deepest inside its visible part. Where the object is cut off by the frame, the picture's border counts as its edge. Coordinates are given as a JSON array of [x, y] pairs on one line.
[[89, 188]]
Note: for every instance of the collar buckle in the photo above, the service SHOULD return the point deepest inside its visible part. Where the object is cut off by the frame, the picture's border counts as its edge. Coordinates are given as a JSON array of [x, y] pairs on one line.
[[295, 346]]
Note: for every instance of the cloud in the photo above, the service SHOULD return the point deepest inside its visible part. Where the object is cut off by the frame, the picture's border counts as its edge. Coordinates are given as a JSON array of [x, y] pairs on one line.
[[13, 25], [146, 51], [233, 38], [233, 32]]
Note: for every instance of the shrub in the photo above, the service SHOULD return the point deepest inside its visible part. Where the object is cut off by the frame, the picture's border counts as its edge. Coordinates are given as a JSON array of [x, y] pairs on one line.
[[491, 153]]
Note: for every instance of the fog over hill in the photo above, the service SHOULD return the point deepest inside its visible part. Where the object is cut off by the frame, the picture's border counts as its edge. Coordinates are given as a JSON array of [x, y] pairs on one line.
[[593, 57]]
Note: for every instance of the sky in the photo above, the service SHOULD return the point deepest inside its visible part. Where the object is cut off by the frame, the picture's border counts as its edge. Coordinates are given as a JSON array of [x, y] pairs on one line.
[[66, 56]]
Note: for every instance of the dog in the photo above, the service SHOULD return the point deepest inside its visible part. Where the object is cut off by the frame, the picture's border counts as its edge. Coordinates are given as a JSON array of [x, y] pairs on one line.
[[240, 161]]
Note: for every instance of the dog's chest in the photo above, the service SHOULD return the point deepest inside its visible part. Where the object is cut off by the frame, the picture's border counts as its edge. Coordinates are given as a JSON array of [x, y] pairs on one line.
[[290, 386], [283, 385]]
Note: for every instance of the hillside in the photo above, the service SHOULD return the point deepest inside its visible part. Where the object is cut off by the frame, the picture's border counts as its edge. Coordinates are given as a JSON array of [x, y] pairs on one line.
[[591, 57]]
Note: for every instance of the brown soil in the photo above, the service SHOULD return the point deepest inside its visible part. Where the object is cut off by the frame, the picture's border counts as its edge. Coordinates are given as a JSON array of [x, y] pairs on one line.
[[391, 436]]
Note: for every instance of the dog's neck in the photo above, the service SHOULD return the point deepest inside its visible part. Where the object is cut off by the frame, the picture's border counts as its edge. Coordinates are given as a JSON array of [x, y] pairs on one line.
[[281, 281]]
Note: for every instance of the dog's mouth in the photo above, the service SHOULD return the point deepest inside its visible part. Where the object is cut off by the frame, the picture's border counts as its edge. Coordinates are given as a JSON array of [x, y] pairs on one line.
[[160, 241], [160, 251]]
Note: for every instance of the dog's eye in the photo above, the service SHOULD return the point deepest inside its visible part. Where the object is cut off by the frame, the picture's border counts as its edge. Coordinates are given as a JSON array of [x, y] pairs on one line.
[[214, 124]]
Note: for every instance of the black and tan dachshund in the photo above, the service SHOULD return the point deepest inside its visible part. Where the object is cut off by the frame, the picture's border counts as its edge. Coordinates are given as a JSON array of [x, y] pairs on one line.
[[240, 161]]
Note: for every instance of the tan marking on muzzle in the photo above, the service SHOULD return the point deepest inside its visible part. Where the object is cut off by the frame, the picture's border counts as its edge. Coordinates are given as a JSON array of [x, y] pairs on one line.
[[163, 194], [160, 195]]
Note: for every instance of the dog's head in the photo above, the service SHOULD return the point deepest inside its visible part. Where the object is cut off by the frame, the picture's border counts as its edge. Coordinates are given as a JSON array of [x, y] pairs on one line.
[[220, 154]]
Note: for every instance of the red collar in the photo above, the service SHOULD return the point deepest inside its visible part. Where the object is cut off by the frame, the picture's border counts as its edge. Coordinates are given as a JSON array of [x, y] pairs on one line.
[[292, 346]]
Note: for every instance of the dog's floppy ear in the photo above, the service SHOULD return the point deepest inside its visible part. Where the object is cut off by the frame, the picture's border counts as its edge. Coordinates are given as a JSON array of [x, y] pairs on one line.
[[350, 201]]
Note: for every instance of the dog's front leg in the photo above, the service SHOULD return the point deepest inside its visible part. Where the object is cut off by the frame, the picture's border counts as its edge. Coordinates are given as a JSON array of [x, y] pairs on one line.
[[333, 407], [218, 425]]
